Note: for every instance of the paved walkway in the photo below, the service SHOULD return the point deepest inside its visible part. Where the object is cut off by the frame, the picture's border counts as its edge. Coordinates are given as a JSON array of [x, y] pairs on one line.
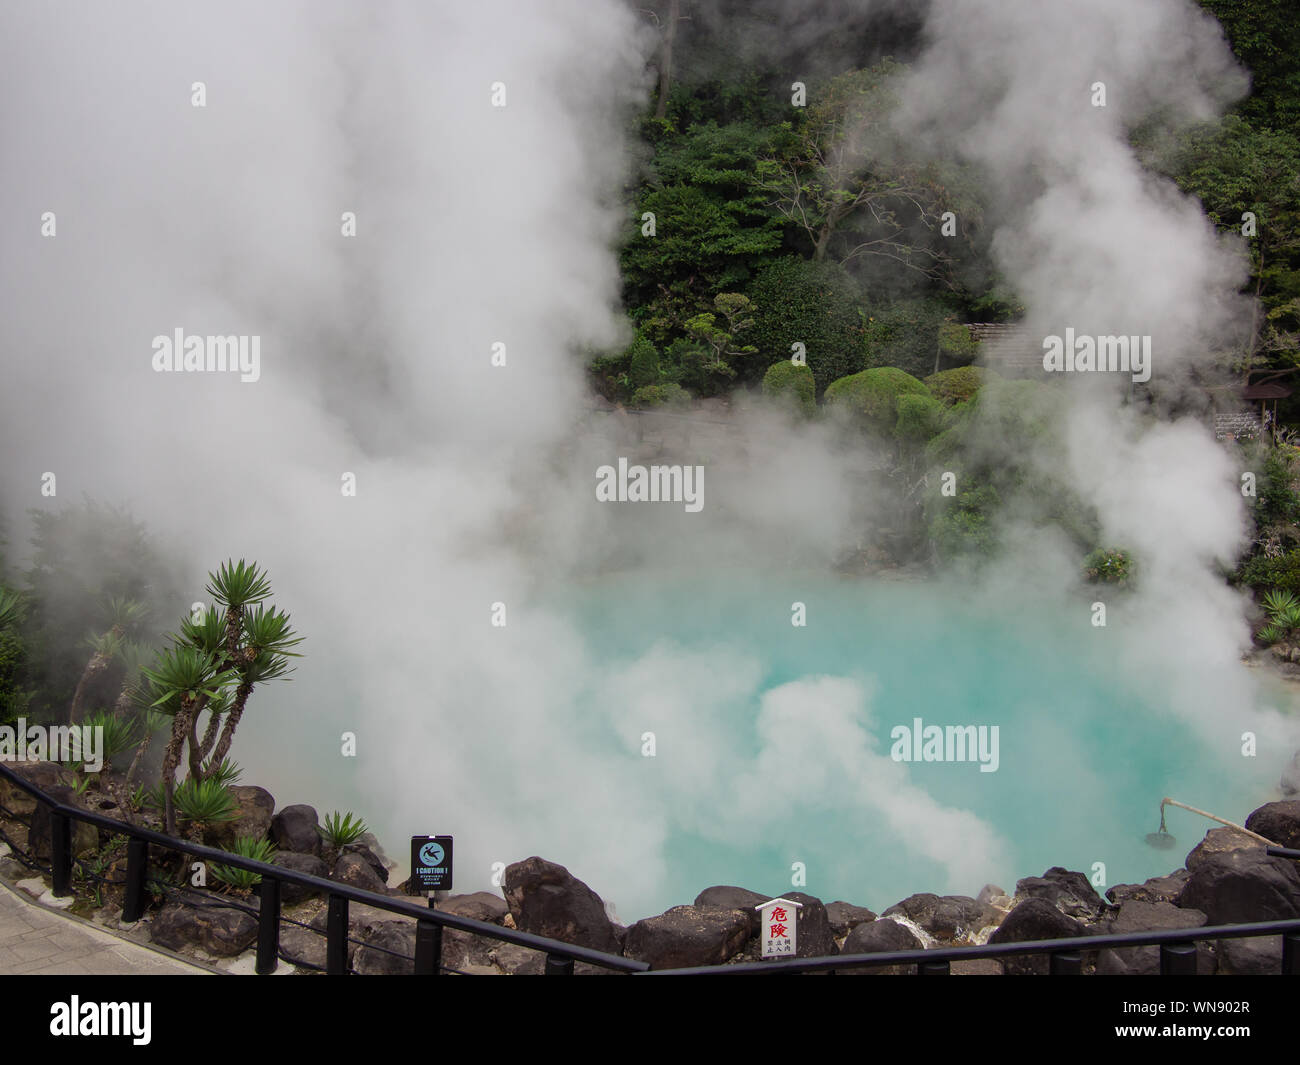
[[36, 940]]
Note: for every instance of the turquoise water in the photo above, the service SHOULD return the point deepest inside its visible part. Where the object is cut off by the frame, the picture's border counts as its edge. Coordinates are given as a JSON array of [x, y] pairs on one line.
[[1083, 760]]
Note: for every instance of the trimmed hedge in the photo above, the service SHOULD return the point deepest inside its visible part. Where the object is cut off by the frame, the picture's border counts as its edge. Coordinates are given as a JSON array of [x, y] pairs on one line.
[[793, 384], [956, 385], [873, 395]]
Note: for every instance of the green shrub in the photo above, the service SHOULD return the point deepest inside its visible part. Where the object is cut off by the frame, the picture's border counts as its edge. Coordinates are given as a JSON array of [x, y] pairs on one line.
[[956, 385], [956, 342], [341, 829], [811, 303], [666, 395], [643, 363], [205, 801], [920, 419], [260, 850], [786, 382], [1111, 565], [873, 395], [962, 525], [909, 335], [1281, 573]]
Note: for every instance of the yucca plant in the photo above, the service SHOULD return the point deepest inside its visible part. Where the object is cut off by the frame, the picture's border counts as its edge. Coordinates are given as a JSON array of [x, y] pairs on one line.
[[1276, 601], [340, 829], [259, 850], [12, 606], [121, 616], [225, 774], [205, 802], [182, 679], [1270, 634], [119, 734], [1288, 619]]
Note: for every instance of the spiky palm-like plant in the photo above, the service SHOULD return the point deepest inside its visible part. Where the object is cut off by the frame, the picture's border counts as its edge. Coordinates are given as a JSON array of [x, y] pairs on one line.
[[122, 616], [182, 676], [12, 605]]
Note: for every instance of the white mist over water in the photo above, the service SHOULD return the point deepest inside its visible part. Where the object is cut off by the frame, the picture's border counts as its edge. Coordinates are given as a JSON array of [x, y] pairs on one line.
[[478, 225]]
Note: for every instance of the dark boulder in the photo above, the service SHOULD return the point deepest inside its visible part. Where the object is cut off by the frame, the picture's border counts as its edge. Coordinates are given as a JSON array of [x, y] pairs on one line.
[[1033, 920], [940, 915], [1220, 841], [355, 870], [1278, 821], [302, 946], [1070, 892], [387, 949], [294, 829], [43, 775], [1135, 916], [880, 936], [254, 809], [1256, 956], [688, 935], [307, 864], [1158, 889], [547, 900], [478, 906], [220, 930], [1243, 886], [375, 861], [85, 838], [733, 898], [844, 917]]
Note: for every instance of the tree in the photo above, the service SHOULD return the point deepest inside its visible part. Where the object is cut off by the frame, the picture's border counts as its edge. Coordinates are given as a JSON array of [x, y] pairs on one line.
[[813, 304], [721, 342], [215, 663], [848, 175]]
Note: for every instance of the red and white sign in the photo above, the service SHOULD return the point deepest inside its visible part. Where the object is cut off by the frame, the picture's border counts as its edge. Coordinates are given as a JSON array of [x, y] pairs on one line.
[[780, 921]]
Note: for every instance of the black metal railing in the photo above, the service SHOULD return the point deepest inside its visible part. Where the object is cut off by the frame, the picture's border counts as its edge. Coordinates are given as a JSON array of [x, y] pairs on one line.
[[560, 956], [1178, 955]]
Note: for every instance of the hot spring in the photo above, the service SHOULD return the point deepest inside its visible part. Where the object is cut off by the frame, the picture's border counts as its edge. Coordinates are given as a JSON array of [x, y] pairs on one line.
[[705, 739]]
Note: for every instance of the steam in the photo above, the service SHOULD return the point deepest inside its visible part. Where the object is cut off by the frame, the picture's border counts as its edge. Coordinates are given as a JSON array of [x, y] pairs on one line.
[[479, 225]]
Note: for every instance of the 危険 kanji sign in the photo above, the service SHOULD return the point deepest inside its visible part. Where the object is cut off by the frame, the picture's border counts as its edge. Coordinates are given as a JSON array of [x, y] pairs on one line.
[[779, 922]]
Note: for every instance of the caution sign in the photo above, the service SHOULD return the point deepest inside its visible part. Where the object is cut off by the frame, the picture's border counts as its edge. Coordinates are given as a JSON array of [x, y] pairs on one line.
[[430, 863]]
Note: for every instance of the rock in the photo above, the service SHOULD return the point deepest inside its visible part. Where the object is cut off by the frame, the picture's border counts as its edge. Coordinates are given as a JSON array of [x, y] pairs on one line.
[[941, 916], [255, 809], [1135, 916], [1279, 821], [989, 892], [1244, 886], [372, 859], [387, 949], [1070, 892], [1032, 920], [1290, 782], [479, 906], [309, 865], [85, 838], [877, 937], [689, 935], [518, 961], [219, 930], [844, 917], [1256, 956], [43, 775], [294, 829], [1157, 889], [733, 898], [547, 900], [815, 938], [355, 870], [368, 838], [1219, 841], [301, 946]]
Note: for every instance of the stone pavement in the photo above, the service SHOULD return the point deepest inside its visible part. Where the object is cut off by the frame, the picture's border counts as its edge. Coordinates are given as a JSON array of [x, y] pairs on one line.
[[37, 940]]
